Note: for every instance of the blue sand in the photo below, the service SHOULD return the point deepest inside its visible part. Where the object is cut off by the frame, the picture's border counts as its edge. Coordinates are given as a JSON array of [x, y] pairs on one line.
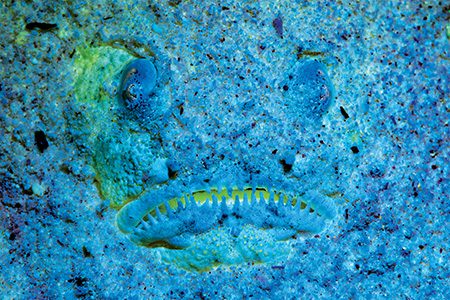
[[347, 112]]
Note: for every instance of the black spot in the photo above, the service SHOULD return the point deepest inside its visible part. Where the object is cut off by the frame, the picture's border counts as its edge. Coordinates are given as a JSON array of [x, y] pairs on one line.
[[377, 272], [174, 3], [200, 295], [405, 253], [237, 216], [78, 281], [86, 252], [285, 88], [172, 174], [41, 140], [12, 236], [354, 149], [277, 23], [41, 26], [222, 219], [391, 266], [286, 167], [343, 112]]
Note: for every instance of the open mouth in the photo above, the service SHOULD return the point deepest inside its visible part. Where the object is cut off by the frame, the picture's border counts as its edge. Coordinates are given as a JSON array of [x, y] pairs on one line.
[[174, 223]]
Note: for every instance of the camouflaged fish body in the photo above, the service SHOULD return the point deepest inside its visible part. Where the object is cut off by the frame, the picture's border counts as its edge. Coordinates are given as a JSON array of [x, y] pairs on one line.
[[219, 183]]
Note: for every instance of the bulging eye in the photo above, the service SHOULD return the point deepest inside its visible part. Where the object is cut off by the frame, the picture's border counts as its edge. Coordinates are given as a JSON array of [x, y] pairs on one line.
[[137, 87], [309, 91]]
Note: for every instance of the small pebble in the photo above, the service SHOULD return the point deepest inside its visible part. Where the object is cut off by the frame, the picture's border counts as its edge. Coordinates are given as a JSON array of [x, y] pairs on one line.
[[40, 140], [38, 189], [278, 25]]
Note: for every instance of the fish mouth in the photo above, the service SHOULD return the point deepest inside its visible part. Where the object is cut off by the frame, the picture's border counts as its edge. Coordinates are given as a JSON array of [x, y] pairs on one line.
[[174, 223]]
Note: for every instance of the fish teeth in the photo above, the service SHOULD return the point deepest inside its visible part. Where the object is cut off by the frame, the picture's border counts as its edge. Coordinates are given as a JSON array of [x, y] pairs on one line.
[[280, 200], [144, 225], [168, 209], [180, 204], [158, 214], [245, 203], [254, 197], [236, 203], [262, 200], [207, 203], [192, 201], [298, 205], [229, 191], [151, 219], [223, 204], [220, 189], [272, 197], [215, 201]]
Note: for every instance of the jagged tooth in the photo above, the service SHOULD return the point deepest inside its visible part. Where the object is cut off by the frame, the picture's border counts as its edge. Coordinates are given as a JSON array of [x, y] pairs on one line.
[[168, 209], [180, 204], [215, 201], [245, 202], [207, 203], [298, 204], [223, 204], [151, 219], [192, 201], [280, 205], [144, 225], [254, 202], [236, 203], [229, 191], [158, 214], [272, 197], [280, 202], [262, 200]]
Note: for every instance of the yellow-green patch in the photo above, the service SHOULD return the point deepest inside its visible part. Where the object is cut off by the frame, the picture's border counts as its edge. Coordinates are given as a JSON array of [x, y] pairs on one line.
[[96, 67]]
